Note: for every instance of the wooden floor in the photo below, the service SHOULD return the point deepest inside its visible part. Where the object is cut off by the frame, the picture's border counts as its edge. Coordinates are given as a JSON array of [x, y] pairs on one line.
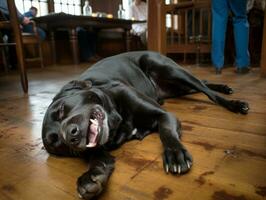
[[229, 149]]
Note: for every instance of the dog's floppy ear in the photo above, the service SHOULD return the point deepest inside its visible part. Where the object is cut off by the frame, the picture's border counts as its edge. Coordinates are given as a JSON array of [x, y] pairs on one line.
[[72, 87], [78, 85]]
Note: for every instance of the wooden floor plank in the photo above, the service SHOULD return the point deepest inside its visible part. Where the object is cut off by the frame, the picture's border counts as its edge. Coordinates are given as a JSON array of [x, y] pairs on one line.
[[229, 149]]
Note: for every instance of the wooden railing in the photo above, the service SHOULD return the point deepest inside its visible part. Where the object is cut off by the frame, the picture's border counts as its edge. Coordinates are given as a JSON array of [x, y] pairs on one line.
[[184, 27]]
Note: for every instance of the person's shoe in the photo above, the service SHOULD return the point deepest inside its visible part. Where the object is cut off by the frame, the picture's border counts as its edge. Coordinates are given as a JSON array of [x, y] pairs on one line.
[[243, 70], [218, 71]]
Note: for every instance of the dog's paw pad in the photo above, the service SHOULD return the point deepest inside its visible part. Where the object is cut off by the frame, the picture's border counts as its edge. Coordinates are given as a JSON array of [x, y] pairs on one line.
[[244, 108], [227, 90], [89, 185], [177, 161], [241, 106]]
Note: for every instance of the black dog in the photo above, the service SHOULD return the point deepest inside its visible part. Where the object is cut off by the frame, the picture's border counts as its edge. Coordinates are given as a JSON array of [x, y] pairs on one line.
[[116, 100]]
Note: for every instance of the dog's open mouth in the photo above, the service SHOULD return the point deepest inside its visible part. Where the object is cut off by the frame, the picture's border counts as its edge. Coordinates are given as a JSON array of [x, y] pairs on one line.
[[95, 127]]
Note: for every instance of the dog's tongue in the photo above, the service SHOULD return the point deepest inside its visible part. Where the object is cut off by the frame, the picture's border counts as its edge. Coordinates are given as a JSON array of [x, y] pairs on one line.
[[92, 135]]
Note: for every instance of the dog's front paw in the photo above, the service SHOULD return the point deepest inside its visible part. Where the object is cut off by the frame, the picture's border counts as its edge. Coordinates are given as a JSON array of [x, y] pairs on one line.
[[240, 106], [177, 161], [91, 184]]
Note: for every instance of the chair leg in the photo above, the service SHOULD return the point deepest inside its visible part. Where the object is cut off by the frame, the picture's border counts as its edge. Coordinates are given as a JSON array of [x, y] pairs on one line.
[[22, 69], [4, 56], [40, 54], [24, 79]]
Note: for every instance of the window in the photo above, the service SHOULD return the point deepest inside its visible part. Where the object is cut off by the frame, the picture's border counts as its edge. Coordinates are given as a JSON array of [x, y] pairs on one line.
[[126, 4], [24, 5], [67, 6]]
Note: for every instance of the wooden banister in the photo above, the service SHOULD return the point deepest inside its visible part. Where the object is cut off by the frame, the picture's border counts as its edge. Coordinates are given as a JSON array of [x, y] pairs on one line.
[[181, 36]]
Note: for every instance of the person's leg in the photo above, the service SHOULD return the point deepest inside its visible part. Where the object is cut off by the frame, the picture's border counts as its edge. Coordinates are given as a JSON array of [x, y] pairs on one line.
[[83, 44], [219, 23], [241, 32], [143, 38], [189, 25], [29, 29], [41, 33], [92, 42]]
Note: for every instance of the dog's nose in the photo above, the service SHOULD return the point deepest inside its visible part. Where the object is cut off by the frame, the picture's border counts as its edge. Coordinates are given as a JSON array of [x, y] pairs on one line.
[[73, 129], [73, 134]]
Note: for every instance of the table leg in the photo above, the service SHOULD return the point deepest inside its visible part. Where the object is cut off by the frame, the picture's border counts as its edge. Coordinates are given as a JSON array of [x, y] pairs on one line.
[[74, 45], [128, 39]]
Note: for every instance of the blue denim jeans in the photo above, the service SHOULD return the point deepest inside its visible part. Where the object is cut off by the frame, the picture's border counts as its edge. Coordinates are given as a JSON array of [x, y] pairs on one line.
[[220, 11], [87, 43], [29, 29]]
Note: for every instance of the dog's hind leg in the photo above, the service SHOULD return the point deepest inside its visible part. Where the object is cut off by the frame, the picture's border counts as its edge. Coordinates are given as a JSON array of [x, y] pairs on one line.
[[232, 105], [225, 89], [167, 74]]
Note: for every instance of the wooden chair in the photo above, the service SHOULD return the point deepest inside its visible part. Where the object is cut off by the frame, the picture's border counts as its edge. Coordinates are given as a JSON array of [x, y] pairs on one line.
[[189, 30], [19, 39], [33, 39]]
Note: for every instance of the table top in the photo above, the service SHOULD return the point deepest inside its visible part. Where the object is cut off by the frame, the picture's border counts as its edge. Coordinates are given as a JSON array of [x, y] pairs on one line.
[[68, 20]]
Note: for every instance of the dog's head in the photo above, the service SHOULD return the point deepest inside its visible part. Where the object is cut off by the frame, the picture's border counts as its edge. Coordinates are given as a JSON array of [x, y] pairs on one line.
[[80, 117]]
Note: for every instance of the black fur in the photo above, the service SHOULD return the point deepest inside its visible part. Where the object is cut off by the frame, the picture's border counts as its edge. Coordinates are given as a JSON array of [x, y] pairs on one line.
[[124, 94]]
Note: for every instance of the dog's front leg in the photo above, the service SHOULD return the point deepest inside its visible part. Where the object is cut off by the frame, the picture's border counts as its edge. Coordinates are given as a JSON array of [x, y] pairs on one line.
[[92, 182], [147, 111], [176, 159]]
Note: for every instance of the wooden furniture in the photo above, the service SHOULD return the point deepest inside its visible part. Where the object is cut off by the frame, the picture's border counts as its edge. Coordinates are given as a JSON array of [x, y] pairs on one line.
[[15, 27], [27, 39], [53, 22], [33, 39], [228, 149], [19, 39], [184, 27], [106, 6]]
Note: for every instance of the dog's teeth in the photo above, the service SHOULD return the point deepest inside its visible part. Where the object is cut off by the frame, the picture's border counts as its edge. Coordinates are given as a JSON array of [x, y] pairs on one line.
[[94, 121], [80, 195], [91, 145]]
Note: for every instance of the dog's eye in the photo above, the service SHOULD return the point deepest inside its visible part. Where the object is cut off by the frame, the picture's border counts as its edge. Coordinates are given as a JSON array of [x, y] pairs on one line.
[[61, 111]]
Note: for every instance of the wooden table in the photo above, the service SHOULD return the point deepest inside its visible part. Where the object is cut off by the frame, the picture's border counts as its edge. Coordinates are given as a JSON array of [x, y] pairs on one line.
[[55, 21]]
